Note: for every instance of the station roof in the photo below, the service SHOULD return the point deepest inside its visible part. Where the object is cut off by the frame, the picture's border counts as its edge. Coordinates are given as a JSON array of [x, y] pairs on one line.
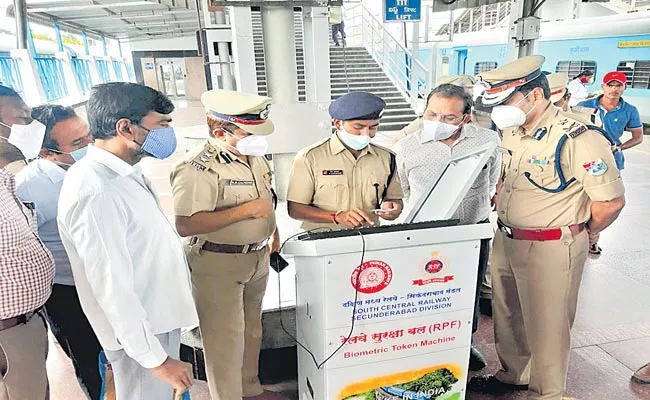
[[120, 19]]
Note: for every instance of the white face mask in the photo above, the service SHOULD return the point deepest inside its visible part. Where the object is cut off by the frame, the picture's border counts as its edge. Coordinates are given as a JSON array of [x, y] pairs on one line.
[[437, 130], [253, 145], [510, 116], [355, 142], [27, 138]]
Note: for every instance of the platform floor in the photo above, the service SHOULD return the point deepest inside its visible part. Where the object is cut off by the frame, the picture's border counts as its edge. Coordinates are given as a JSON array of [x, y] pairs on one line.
[[611, 337]]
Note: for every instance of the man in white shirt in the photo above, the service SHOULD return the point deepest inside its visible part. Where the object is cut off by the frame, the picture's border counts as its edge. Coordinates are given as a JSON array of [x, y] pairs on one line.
[[446, 133], [66, 140], [126, 258]]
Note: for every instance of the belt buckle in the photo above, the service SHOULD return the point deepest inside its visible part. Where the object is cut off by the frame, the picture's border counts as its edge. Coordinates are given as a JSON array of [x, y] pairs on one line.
[[245, 248], [506, 230]]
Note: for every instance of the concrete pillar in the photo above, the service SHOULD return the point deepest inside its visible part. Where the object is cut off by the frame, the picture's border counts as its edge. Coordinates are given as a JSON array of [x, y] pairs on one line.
[[316, 50], [243, 49], [224, 56], [281, 75], [20, 16]]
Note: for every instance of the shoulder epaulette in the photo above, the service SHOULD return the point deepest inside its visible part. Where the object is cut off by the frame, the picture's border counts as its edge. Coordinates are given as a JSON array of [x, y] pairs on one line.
[[202, 160], [314, 145], [572, 126]]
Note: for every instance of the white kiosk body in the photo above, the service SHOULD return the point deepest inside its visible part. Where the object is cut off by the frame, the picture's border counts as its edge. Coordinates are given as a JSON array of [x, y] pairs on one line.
[[414, 291]]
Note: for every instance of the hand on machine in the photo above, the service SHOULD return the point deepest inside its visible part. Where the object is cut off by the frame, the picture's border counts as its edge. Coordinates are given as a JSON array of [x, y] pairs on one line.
[[389, 210]]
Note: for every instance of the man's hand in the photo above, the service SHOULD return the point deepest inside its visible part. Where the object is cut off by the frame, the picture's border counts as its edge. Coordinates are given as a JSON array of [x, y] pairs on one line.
[[259, 208], [593, 237], [275, 242], [176, 373], [394, 206], [354, 218]]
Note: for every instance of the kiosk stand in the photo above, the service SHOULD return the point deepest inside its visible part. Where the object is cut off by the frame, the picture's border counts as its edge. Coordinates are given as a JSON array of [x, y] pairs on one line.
[[414, 287]]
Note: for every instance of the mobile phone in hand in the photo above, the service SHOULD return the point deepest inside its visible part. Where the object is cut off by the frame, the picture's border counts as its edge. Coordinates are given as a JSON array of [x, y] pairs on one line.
[[278, 263]]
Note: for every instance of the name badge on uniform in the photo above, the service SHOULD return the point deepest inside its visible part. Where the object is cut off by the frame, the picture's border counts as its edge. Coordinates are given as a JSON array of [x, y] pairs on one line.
[[332, 172], [237, 182], [538, 161]]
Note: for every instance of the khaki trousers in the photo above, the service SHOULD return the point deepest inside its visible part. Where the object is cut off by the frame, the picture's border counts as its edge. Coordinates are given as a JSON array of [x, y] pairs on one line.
[[535, 293], [228, 291], [23, 351], [486, 284]]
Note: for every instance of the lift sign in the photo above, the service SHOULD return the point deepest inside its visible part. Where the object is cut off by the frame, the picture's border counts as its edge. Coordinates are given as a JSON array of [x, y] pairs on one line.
[[402, 10]]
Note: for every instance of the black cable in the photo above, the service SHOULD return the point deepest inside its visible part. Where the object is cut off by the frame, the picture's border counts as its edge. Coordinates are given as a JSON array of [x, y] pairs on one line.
[[354, 307], [536, 7]]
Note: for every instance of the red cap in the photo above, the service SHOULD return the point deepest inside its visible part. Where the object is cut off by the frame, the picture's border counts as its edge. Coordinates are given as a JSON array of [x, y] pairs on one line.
[[615, 76]]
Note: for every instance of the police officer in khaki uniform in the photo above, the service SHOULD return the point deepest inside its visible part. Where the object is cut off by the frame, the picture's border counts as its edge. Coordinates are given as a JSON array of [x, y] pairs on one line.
[[223, 201], [344, 180], [560, 98], [549, 211]]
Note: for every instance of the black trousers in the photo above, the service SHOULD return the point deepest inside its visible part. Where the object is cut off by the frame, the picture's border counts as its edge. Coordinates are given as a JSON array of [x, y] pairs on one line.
[[75, 335], [483, 258]]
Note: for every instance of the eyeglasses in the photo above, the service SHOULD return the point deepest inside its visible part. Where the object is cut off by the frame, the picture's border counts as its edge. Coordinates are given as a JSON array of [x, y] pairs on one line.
[[448, 118]]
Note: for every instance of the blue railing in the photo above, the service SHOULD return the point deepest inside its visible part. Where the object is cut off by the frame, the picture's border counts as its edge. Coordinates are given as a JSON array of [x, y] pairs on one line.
[[102, 67], [52, 78], [82, 71], [117, 66], [10, 73]]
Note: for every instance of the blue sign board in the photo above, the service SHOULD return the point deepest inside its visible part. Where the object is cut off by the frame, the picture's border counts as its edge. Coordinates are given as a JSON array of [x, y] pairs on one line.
[[402, 10]]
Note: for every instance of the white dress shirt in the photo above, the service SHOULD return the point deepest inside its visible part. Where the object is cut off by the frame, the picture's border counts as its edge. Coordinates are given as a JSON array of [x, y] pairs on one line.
[[420, 156], [40, 183], [127, 260], [578, 92]]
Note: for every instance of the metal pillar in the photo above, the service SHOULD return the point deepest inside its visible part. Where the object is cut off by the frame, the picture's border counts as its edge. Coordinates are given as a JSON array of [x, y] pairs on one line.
[[224, 55], [281, 75], [20, 15], [521, 9], [104, 46], [415, 51]]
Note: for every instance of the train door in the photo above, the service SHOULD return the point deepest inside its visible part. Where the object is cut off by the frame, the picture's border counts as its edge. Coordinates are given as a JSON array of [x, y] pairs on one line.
[[461, 60]]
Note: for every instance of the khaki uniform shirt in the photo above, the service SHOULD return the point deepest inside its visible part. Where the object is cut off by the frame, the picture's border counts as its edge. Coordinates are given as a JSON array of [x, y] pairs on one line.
[[585, 156], [211, 178], [590, 114], [326, 175]]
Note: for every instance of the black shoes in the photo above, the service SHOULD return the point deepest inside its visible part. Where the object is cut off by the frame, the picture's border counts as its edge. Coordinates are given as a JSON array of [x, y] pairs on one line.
[[476, 360], [490, 385]]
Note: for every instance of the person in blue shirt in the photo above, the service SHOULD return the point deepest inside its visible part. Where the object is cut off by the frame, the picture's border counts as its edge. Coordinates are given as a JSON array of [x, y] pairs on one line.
[[66, 140], [617, 116]]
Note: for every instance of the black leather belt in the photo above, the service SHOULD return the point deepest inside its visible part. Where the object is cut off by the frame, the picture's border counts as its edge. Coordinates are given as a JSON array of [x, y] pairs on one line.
[[17, 320], [233, 248]]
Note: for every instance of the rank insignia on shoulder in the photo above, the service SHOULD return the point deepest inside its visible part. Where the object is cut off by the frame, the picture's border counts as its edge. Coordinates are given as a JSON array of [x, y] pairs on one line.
[[573, 129], [540, 133], [202, 160], [595, 168], [538, 161]]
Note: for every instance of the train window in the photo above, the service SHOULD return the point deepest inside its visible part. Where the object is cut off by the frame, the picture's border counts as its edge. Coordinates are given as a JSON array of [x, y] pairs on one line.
[[638, 73], [484, 66], [573, 68]]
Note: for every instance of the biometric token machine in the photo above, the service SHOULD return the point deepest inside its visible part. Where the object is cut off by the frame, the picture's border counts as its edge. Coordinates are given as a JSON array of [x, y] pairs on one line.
[[386, 312]]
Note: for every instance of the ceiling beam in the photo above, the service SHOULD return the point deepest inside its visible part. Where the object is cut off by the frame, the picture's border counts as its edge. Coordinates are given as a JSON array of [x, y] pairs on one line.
[[85, 7], [130, 15]]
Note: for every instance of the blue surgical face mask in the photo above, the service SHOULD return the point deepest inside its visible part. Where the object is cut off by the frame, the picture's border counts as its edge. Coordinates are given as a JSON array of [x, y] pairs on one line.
[[355, 142], [160, 142], [76, 155]]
